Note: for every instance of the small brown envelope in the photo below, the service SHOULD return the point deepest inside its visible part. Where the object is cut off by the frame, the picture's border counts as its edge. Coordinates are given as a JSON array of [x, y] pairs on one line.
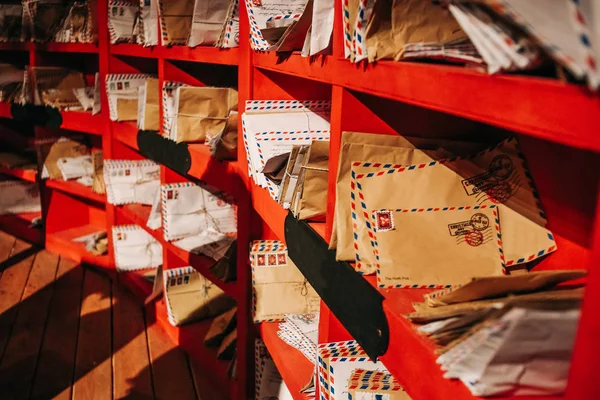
[[225, 145], [54, 86], [175, 21], [444, 246], [149, 107], [279, 288], [312, 184], [202, 112], [192, 297]]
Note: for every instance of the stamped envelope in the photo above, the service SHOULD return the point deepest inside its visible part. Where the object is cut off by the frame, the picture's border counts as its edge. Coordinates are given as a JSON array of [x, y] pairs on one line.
[[495, 176], [279, 288], [436, 247]]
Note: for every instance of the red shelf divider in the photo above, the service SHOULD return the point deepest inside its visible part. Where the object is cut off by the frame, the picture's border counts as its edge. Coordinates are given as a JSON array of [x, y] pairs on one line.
[[83, 121], [62, 243], [76, 189], [29, 175]]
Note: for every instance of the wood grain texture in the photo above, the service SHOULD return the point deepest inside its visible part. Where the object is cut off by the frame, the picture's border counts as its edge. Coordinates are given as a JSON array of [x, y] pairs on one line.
[[12, 283], [131, 365], [93, 369], [204, 387], [54, 376], [18, 365], [170, 371]]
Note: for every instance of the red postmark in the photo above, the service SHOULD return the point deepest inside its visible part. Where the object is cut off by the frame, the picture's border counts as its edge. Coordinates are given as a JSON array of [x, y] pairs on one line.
[[500, 193], [474, 238]]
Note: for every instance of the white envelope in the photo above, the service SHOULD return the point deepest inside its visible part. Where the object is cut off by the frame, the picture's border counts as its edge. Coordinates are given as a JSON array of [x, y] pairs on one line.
[[75, 167], [168, 104], [19, 197], [207, 21], [123, 86], [121, 20], [148, 20], [230, 32], [131, 181], [260, 11], [190, 209], [135, 249]]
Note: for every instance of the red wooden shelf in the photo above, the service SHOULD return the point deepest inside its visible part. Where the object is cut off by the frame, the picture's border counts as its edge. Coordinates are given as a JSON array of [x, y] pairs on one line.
[[295, 369], [133, 50], [136, 283], [16, 46], [62, 243], [203, 54], [5, 110], [126, 133], [221, 174], [20, 226], [320, 69], [76, 189], [83, 121], [138, 214], [29, 175], [191, 339], [67, 47]]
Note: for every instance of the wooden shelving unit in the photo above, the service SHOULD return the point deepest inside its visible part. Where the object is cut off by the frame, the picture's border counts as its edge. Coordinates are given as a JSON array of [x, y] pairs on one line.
[[557, 124]]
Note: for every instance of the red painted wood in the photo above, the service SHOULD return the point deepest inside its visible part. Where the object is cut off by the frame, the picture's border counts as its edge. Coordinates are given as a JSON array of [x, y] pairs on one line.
[[29, 175], [62, 243], [76, 189], [82, 121]]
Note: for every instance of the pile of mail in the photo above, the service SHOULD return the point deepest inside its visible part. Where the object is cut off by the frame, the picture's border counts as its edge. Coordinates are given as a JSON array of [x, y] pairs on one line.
[[19, 197], [279, 137], [284, 26], [123, 92], [190, 297], [502, 35], [198, 218], [505, 335], [278, 287], [268, 382], [479, 210], [131, 181], [49, 20], [173, 22], [135, 249], [66, 159], [343, 368]]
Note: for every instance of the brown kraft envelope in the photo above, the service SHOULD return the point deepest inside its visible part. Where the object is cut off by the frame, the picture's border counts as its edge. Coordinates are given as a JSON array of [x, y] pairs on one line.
[[436, 248], [225, 144], [203, 111], [313, 183], [50, 151], [374, 148], [416, 21], [279, 288], [127, 109], [55, 86], [152, 107], [495, 176], [488, 287], [196, 300], [176, 15]]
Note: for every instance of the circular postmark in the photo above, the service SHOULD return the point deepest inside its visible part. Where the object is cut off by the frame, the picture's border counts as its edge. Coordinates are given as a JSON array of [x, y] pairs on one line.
[[480, 221], [474, 238], [500, 193], [501, 166]]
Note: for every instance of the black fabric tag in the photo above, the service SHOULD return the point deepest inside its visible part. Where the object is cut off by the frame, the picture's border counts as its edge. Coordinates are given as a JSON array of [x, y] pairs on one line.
[[164, 151], [356, 303]]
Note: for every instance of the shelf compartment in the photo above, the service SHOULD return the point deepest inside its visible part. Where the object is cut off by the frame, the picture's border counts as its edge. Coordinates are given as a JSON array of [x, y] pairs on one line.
[[203, 54], [294, 368], [67, 47], [126, 133], [136, 283], [76, 189], [133, 50], [29, 175], [138, 214], [20, 226], [221, 174], [61, 242], [321, 69]]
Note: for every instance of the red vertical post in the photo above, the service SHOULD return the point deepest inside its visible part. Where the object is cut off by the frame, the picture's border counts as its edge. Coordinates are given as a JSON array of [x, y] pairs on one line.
[[583, 377], [337, 95]]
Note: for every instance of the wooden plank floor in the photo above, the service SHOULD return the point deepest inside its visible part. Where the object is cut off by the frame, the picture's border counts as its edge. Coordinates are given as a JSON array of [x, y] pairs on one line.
[[67, 332]]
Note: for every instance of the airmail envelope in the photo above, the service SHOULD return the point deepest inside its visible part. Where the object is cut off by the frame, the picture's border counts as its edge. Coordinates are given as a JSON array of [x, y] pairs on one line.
[[494, 176], [436, 247]]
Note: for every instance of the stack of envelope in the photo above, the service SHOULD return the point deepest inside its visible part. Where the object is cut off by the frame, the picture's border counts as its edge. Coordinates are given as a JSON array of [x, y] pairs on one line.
[[301, 331], [366, 384], [480, 212], [122, 16], [135, 249], [335, 365], [63, 89], [42, 19], [79, 25], [198, 218], [268, 382], [272, 128], [19, 197], [167, 93], [123, 91], [278, 287], [291, 25], [505, 335], [131, 181], [66, 159], [190, 297], [11, 16]]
